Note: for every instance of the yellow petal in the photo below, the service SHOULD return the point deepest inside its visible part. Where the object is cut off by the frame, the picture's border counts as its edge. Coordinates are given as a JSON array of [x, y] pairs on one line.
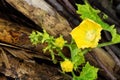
[[87, 34]]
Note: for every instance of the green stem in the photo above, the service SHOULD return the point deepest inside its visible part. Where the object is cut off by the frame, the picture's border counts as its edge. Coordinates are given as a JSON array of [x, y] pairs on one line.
[[85, 51], [107, 44], [61, 55], [73, 74], [52, 55]]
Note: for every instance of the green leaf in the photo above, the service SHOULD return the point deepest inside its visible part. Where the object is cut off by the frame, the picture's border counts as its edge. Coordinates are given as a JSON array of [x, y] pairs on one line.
[[78, 59], [104, 16], [35, 37], [45, 36], [88, 73], [38, 37], [87, 11], [116, 39]]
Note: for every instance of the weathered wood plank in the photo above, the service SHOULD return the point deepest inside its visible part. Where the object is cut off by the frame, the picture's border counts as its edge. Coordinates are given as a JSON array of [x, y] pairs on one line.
[[43, 15]]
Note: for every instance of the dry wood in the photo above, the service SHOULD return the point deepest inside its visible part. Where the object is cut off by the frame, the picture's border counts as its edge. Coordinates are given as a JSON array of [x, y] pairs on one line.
[[28, 69], [15, 34], [47, 18]]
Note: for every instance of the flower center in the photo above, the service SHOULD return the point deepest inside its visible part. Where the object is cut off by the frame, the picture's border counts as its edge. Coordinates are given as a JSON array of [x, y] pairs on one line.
[[90, 35]]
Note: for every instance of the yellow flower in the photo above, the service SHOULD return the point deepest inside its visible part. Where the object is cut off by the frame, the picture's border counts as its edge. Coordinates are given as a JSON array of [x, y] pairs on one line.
[[59, 42], [67, 66], [87, 34]]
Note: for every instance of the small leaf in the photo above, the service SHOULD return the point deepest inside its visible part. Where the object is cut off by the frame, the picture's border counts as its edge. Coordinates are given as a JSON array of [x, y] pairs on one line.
[[88, 73], [35, 37], [45, 36], [78, 59]]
